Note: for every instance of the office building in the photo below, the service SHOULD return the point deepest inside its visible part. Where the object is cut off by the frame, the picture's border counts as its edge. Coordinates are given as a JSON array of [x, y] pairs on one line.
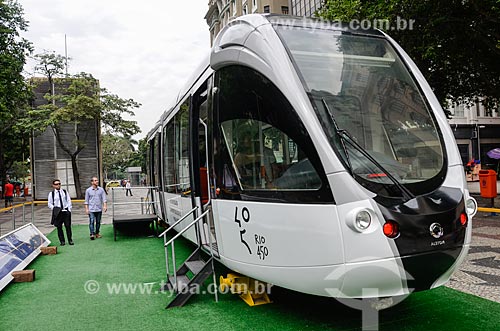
[[221, 12]]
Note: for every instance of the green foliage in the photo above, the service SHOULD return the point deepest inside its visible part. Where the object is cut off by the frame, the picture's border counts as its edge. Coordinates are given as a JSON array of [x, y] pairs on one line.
[[14, 92], [139, 157], [20, 170], [455, 43], [117, 152], [77, 99], [50, 64]]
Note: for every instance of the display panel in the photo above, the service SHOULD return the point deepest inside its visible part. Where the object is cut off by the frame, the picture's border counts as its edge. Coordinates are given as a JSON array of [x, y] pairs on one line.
[[17, 249]]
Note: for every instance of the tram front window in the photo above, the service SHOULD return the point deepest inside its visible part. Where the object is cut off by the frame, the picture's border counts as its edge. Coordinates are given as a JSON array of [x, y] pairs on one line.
[[264, 158], [263, 151], [359, 86]]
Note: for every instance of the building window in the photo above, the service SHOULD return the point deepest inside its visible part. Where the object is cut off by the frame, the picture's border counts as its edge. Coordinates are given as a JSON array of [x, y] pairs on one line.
[[254, 6], [245, 10], [266, 9], [284, 10], [234, 8]]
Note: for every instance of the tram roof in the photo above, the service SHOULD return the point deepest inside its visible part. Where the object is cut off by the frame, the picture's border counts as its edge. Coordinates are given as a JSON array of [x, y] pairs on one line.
[[257, 20], [316, 23]]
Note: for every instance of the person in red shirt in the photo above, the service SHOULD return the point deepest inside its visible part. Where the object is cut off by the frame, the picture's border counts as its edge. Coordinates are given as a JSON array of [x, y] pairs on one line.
[[9, 194]]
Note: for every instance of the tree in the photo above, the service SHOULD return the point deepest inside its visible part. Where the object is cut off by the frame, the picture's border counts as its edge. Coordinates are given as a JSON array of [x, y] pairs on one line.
[[455, 43], [139, 157], [78, 100], [14, 92], [117, 153]]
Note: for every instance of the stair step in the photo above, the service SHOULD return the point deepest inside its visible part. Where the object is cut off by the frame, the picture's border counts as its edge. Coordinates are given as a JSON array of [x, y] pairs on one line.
[[182, 281], [195, 266]]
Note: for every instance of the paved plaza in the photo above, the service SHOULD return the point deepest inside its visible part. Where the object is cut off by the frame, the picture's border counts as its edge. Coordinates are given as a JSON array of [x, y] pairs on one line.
[[125, 205], [480, 273]]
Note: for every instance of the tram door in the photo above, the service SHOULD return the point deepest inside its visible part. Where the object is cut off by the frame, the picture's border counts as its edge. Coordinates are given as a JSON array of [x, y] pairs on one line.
[[202, 160]]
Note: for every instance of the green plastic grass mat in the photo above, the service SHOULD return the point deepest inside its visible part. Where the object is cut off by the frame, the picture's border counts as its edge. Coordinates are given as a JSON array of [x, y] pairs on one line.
[[60, 297]]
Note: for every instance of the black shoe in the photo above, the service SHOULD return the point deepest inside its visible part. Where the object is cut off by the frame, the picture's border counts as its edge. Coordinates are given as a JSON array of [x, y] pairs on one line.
[[71, 242], [92, 237], [63, 243]]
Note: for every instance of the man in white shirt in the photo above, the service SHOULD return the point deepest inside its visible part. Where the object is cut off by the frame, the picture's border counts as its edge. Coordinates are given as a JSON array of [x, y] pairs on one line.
[[60, 204], [128, 188]]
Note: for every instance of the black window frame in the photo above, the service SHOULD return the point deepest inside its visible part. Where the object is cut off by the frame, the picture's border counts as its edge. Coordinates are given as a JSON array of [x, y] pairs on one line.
[[283, 118]]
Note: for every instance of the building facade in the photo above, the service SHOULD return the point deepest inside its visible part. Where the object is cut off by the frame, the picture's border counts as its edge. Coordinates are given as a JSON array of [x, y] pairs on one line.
[[221, 12], [305, 7], [49, 161], [477, 130]]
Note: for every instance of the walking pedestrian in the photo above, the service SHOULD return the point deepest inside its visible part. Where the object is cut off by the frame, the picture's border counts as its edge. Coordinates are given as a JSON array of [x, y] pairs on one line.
[[127, 189], [9, 195], [95, 204], [59, 202]]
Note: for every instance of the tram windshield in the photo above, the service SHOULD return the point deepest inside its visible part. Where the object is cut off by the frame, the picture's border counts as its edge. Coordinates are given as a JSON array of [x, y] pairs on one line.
[[359, 86]]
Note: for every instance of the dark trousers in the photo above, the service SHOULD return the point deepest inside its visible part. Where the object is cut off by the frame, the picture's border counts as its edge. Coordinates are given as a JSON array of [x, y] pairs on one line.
[[127, 191], [64, 217]]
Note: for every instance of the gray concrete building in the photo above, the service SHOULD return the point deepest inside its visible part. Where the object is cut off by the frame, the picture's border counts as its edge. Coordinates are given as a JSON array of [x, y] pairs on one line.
[[477, 130], [49, 161]]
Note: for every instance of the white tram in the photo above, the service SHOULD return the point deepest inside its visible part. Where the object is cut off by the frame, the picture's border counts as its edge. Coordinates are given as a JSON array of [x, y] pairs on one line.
[[324, 156]]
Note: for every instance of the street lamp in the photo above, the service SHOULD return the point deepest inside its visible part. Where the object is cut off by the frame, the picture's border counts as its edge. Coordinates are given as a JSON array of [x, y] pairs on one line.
[[479, 140]]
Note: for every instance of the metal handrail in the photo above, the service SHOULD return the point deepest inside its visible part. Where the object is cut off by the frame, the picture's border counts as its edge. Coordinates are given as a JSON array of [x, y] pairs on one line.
[[206, 156], [113, 203], [187, 227], [176, 223], [133, 187], [135, 203], [172, 185], [164, 234], [171, 241]]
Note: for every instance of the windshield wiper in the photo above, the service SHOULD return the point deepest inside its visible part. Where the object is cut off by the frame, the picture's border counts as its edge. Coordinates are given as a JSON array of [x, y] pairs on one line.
[[345, 136]]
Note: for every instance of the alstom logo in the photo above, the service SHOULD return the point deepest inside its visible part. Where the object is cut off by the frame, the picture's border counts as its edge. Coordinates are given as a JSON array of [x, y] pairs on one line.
[[436, 230]]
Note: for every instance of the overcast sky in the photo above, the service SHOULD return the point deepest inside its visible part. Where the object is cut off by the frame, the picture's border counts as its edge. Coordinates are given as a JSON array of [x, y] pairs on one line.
[[145, 50]]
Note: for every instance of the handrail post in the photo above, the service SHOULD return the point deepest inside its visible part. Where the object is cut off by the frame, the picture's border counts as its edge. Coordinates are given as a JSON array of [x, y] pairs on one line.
[[212, 254], [32, 211], [13, 210], [166, 255], [24, 216], [176, 288], [142, 206], [113, 203]]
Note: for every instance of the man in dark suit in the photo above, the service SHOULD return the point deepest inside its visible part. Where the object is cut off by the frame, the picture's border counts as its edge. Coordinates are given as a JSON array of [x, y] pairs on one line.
[[60, 204]]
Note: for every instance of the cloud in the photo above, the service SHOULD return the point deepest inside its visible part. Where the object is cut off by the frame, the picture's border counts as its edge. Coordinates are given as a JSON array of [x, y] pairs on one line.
[[142, 50]]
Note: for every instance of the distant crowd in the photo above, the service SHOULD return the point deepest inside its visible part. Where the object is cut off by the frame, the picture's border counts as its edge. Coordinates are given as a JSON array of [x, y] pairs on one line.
[[11, 189]]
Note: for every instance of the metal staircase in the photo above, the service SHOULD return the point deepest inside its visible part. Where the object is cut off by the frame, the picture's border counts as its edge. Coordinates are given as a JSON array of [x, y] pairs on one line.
[[194, 271]]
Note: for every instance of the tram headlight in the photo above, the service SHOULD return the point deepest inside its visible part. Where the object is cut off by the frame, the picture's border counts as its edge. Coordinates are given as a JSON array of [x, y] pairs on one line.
[[363, 220], [471, 206], [360, 220]]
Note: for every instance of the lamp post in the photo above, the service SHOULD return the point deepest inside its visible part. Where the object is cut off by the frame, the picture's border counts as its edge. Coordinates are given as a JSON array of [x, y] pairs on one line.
[[478, 127]]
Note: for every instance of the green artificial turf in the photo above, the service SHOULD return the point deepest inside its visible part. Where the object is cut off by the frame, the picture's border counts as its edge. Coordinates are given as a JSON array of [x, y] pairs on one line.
[[57, 299]]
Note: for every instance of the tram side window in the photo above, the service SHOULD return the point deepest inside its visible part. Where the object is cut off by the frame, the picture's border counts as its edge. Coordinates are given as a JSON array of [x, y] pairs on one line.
[[156, 159], [152, 162], [182, 147], [169, 160], [176, 152], [264, 150]]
